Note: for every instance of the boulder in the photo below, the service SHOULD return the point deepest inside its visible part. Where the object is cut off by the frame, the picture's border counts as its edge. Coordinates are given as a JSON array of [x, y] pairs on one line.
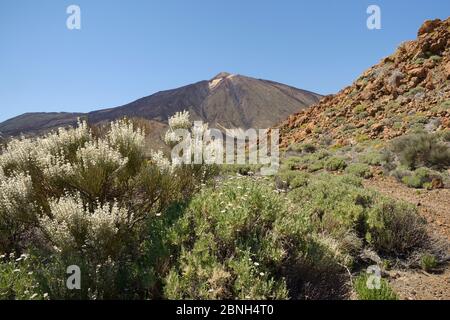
[[428, 26]]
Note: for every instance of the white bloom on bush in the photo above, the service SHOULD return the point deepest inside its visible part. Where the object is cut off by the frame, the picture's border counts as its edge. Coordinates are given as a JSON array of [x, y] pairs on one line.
[[64, 137], [55, 165], [124, 134], [70, 215], [180, 120], [46, 152], [14, 191], [171, 138], [107, 218], [158, 158], [18, 152], [100, 152]]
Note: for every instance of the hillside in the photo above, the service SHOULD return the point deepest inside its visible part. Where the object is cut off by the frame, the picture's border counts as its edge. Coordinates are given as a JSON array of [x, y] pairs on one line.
[[406, 90], [233, 101]]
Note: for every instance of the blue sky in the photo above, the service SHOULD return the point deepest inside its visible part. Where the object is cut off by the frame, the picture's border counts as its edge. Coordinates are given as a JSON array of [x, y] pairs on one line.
[[129, 49]]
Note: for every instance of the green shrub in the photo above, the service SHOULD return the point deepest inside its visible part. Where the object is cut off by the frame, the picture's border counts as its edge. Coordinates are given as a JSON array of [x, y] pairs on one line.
[[413, 181], [365, 293], [242, 241], [428, 262], [445, 105], [360, 170], [291, 179], [304, 147], [309, 148], [238, 169], [17, 281], [359, 108], [421, 149], [373, 158], [446, 135], [415, 91], [339, 205], [309, 162], [335, 164], [394, 227], [421, 178], [292, 163], [436, 58]]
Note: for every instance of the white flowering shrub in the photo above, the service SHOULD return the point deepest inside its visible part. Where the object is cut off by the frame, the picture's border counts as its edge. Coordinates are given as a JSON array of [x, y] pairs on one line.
[[181, 120], [160, 160], [72, 225], [171, 138], [16, 211], [90, 196]]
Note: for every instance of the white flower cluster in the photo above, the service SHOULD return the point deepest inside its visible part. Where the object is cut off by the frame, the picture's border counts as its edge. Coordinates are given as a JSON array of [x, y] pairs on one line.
[[14, 191], [47, 151], [171, 139], [69, 215], [107, 217], [160, 160], [53, 142], [123, 133], [18, 151], [180, 120], [100, 152]]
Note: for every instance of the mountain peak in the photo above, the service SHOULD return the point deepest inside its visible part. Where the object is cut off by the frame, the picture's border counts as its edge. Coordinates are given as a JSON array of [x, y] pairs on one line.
[[231, 100], [222, 75], [214, 82]]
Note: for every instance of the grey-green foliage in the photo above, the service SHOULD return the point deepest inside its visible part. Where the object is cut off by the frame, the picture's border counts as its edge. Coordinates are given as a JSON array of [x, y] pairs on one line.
[[243, 240], [339, 205], [359, 169], [364, 292], [422, 149]]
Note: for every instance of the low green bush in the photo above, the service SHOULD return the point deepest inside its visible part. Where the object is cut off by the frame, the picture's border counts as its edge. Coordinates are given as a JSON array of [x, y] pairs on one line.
[[422, 149], [395, 228], [421, 178], [335, 164], [339, 205], [373, 158], [303, 147], [291, 179], [359, 169], [364, 292], [17, 281], [428, 262], [446, 135], [310, 162], [242, 241]]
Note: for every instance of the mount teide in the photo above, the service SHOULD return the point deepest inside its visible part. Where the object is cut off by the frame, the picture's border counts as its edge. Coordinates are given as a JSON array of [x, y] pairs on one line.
[[227, 100]]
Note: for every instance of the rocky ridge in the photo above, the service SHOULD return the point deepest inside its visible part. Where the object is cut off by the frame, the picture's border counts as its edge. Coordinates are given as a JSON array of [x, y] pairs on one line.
[[406, 90]]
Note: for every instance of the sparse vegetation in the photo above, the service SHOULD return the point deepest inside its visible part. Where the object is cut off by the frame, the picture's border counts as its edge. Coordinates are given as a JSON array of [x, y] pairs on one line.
[[422, 149], [359, 169], [384, 292], [428, 262], [335, 164]]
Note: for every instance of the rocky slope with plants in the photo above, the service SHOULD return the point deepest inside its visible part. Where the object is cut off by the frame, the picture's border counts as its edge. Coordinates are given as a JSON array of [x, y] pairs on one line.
[[406, 90], [391, 128]]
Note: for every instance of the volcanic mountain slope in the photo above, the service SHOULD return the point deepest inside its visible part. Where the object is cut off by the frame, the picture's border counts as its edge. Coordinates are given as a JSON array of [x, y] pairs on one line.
[[233, 101], [31, 123], [406, 90]]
